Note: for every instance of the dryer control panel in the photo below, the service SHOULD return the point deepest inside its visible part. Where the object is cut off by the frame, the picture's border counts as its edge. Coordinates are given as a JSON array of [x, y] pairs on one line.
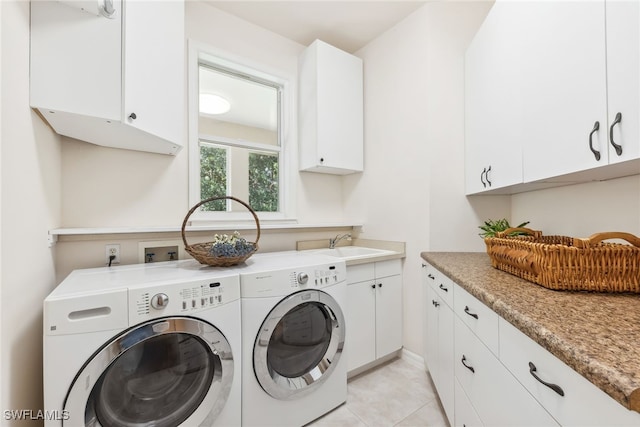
[[187, 298]]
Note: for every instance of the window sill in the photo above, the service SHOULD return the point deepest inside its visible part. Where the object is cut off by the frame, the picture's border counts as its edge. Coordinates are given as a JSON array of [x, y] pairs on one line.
[[56, 233]]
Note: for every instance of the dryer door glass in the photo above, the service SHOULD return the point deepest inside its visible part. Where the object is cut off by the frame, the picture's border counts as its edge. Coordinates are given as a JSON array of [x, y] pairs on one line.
[[299, 344], [165, 372]]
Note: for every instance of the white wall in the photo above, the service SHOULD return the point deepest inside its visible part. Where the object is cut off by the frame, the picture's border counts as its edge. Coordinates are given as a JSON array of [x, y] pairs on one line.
[[584, 209], [412, 189], [30, 206]]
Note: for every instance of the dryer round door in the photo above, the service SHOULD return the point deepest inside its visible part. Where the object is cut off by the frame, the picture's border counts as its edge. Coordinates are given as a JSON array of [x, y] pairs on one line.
[[162, 373], [299, 344]]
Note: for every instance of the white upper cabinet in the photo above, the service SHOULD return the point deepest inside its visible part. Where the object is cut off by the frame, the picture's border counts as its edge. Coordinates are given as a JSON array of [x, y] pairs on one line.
[[117, 82], [563, 81], [623, 79], [493, 126], [330, 110], [552, 95]]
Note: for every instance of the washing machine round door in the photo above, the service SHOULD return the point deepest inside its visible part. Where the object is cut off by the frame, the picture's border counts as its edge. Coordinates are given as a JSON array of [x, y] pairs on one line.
[[299, 344], [164, 372]]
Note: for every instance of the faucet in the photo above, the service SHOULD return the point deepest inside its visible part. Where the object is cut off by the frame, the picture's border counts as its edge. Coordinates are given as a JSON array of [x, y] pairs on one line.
[[335, 240]]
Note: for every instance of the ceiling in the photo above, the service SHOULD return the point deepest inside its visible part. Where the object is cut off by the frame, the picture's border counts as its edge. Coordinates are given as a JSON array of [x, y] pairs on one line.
[[348, 25]]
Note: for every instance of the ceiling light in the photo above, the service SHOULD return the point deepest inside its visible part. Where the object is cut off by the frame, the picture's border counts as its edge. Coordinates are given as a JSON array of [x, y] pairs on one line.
[[213, 104]]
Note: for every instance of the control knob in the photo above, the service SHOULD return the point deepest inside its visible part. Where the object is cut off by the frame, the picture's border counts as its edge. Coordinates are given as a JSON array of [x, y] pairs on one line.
[[159, 301], [303, 278]]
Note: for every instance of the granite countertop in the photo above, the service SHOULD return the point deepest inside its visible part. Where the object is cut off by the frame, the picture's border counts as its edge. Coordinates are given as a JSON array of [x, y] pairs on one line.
[[596, 334]]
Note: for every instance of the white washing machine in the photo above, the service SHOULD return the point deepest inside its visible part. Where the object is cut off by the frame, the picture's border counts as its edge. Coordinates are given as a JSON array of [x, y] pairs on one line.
[[141, 345], [293, 331]]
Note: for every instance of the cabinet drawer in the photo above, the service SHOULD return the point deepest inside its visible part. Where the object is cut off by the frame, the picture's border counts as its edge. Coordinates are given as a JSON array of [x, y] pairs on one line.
[[465, 414], [441, 283], [478, 317], [582, 404], [392, 267], [497, 396], [360, 273]]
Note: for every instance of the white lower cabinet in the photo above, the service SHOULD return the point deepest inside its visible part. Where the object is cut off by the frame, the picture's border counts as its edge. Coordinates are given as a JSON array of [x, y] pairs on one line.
[[501, 377], [567, 395], [374, 318], [499, 399]]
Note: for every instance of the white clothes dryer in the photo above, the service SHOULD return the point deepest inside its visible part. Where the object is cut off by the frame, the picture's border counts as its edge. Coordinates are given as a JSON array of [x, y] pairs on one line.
[[141, 345], [293, 331]]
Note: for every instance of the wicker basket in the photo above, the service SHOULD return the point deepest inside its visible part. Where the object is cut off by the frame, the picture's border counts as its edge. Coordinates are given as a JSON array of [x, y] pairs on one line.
[[570, 264], [202, 251]]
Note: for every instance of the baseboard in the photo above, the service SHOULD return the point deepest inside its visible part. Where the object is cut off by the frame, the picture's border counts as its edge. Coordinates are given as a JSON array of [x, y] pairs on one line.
[[413, 358]]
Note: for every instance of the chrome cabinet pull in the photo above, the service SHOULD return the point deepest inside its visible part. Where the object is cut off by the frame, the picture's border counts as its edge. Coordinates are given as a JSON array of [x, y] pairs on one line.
[[466, 310], [618, 147], [554, 387], [596, 153], [464, 360], [443, 288]]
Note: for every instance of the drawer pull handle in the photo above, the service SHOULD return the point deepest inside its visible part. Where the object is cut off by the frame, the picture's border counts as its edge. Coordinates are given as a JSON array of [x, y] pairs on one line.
[[431, 276], [466, 310], [443, 288], [464, 359], [435, 303], [554, 387]]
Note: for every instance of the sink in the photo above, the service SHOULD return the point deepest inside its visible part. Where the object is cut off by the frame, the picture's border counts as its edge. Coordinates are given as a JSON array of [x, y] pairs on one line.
[[353, 252]]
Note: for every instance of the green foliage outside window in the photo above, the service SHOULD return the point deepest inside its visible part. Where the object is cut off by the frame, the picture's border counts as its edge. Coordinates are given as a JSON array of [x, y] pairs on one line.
[[213, 176], [263, 182]]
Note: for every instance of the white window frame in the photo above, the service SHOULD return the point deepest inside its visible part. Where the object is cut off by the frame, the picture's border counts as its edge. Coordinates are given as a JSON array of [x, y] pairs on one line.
[[201, 52]]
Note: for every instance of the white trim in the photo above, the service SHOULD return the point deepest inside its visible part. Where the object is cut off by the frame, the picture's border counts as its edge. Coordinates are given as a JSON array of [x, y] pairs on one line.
[[412, 358]]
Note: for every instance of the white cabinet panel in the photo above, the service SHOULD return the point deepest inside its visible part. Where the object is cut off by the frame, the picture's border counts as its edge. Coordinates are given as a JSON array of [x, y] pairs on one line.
[[466, 415], [361, 333], [493, 126], [563, 75], [623, 78], [496, 395], [581, 402], [374, 319], [478, 317], [330, 113]]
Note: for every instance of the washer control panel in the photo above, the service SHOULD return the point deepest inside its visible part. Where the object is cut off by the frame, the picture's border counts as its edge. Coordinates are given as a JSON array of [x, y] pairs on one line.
[[157, 300]]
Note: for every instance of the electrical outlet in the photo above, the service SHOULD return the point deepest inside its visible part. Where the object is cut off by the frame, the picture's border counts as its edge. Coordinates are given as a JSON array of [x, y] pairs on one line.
[[112, 250]]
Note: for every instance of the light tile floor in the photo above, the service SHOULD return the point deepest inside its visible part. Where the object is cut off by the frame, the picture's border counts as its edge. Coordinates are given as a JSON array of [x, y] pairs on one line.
[[398, 393]]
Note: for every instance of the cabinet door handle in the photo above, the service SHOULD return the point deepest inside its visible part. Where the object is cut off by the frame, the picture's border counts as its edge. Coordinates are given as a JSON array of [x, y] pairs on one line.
[[466, 310], [484, 171], [435, 303], [379, 285], [431, 276], [486, 176], [464, 360], [554, 387], [596, 153], [617, 120], [443, 288], [133, 116], [373, 286], [424, 265]]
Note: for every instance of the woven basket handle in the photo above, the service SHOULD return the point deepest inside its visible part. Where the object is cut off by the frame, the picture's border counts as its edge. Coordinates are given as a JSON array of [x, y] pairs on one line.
[[211, 199], [525, 230], [596, 238]]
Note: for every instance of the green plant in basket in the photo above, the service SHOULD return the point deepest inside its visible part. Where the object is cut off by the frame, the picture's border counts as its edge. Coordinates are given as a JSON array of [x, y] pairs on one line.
[[226, 246], [491, 227]]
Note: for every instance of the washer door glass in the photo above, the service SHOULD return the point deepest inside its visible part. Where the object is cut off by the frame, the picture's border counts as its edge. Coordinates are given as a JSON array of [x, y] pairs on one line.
[[158, 373], [299, 344]]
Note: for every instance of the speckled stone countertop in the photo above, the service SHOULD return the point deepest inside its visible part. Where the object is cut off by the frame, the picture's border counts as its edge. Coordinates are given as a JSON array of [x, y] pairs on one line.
[[596, 334]]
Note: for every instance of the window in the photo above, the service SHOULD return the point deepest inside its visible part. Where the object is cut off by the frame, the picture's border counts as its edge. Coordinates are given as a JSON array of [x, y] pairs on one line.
[[237, 146]]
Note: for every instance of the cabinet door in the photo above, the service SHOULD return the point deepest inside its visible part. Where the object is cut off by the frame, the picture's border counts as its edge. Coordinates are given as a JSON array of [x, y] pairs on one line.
[[623, 78], [497, 396], [388, 315], [492, 103], [154, 72], [446, 360], [563, 85], [466, 415], [361, 321], [431, 331]]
